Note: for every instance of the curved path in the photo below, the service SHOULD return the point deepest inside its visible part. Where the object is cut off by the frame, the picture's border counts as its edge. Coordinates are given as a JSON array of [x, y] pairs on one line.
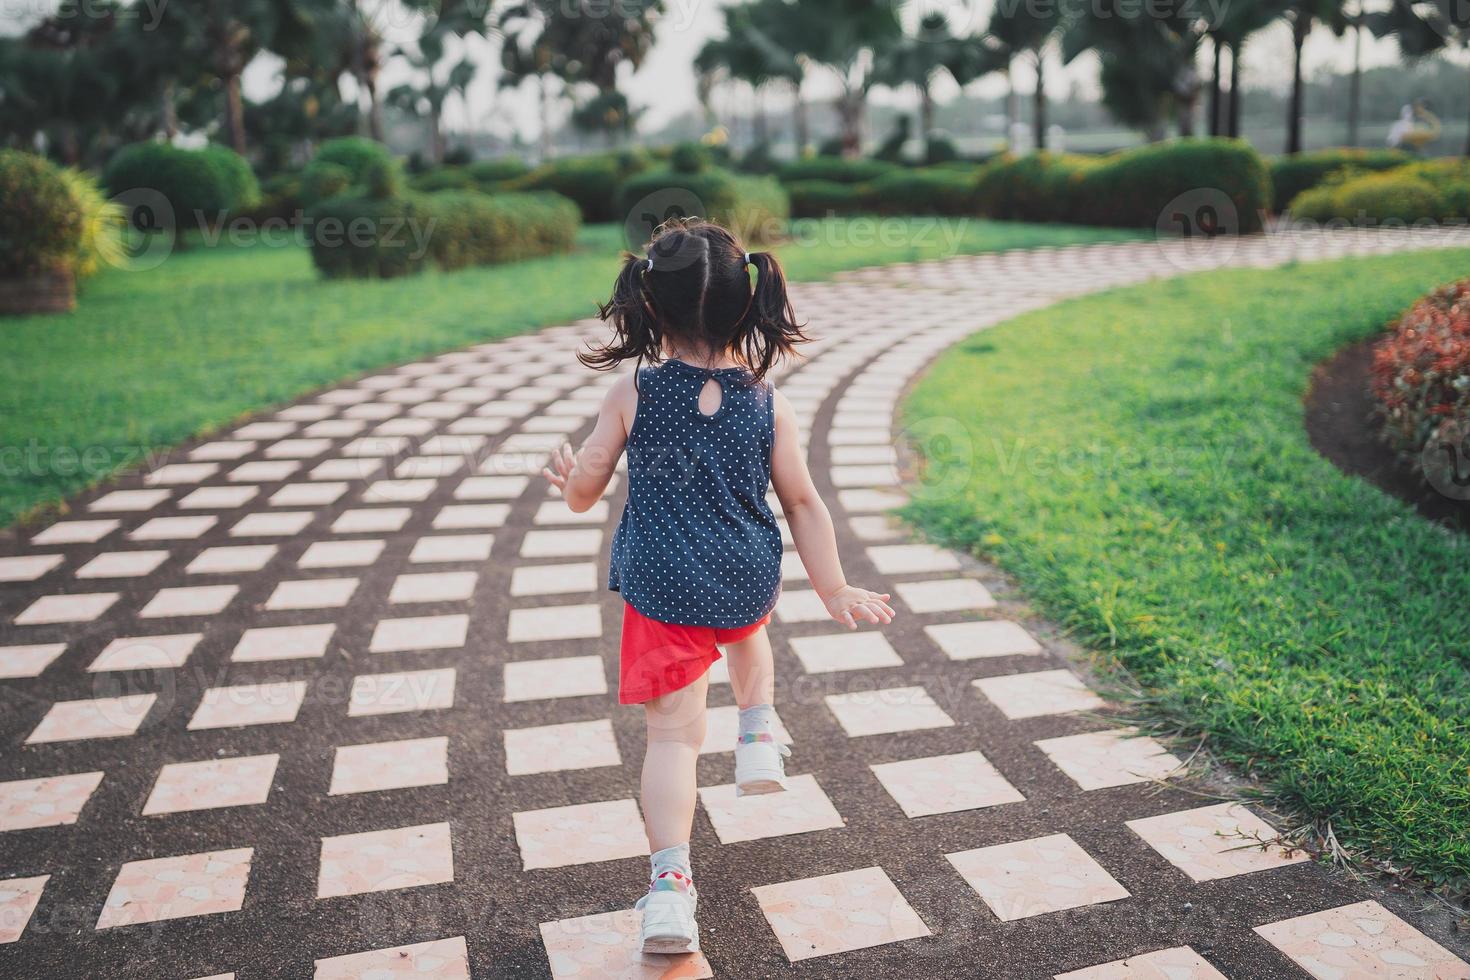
[[330, 694]]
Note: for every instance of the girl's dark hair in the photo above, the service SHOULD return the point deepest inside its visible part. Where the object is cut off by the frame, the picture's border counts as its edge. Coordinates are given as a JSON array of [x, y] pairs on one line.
[[698, 292]]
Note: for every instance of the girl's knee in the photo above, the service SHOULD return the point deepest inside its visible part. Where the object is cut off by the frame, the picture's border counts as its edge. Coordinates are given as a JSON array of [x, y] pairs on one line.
[[675, 719]]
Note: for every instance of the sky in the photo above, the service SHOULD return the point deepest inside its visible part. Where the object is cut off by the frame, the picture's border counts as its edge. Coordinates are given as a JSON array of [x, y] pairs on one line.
[[664, 88]]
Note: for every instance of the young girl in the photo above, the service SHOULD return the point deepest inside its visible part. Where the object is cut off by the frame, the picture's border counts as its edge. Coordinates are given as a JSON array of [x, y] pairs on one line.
[[697, 555]]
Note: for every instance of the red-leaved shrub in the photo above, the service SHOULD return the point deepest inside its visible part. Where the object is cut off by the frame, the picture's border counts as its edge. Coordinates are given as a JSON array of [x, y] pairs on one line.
[[1421, 372]]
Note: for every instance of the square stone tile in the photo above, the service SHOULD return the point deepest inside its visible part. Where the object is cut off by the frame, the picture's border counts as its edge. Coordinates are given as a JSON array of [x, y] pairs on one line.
[[51, 801], [385, 860], [18, 900], [297, 448], [466, 516], [249, 704], [722, 728], [837, 913], [265, 430], [395, 693], [945, 784], [264, 471], [27, 568], [983, 638], [402, 491], [212, 784], [265, 643], [219, 498], [74, 532], [173, 528], [429, 467], [438, 959], [1116, 757], [283, 524], [1034, 877], [312, 593], [944, 595], [580, 834], [79, 607], [353, 469], [561, 544], [177, 888], [130, 500], [1179, 963], [865, 476], [378, 766], [906, 559], [575, 577], [792, 570], [479, 426], [335, 428], [607, 946], [452, 547], [561, 677], [341, 554], [895, 709], [557, 748], [1362, 940], [231, 560], [181, 473], [870, 501], [121, 564], [802, 809], [29, 659], [146, 652], [1042, 692], [189, 600], [317, 494], [1213, 842], [801, 606], [556, 512], [71, 721], [224, 449], [372, 521], [434, 587], [844, 651], [491, 487], [555, 623], [305, 413], [419, 633]]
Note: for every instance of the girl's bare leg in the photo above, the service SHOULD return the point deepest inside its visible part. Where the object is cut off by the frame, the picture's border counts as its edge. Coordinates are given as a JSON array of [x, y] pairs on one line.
[[676, 724], [752, 671]]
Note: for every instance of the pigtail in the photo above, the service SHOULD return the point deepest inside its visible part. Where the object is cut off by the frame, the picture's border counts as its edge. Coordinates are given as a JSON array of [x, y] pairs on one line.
[[635, 325], [768, 330]]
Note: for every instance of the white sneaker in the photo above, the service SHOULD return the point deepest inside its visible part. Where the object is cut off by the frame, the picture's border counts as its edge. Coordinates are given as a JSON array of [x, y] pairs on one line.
[[668, 915], [759, 768]]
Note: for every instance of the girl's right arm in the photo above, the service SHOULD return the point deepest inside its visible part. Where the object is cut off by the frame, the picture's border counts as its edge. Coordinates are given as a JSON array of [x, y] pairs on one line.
[[811, 529], [583, 476]]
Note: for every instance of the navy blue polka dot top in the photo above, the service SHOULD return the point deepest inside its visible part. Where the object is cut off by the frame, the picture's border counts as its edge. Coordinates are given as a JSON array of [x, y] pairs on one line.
[[698, 544]]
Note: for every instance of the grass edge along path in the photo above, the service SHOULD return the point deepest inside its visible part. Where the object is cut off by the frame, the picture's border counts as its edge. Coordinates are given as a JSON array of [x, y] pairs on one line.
[[151, 359], [1139, 464]]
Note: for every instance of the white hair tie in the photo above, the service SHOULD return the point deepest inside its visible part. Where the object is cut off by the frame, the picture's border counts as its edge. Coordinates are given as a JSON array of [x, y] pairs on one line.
[[650, 263], [747, 258]]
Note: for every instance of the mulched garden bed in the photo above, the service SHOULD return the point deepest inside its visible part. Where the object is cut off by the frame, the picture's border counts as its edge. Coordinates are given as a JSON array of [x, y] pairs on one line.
[[1340, 424]]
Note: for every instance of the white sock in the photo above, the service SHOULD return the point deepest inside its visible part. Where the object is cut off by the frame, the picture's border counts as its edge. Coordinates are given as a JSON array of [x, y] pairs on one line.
[[674, 858], [757, 719]]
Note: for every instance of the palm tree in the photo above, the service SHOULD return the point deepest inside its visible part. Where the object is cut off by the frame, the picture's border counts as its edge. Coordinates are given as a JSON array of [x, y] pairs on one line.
[[1424, 28], [747, 54], [436, 84], [1303, 15], [1028, 28], [918, 59]]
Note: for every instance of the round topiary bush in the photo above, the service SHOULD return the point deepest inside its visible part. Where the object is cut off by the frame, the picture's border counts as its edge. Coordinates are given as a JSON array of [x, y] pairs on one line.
[[202, 186], [355, 153], [41, 229], [1421, 378]]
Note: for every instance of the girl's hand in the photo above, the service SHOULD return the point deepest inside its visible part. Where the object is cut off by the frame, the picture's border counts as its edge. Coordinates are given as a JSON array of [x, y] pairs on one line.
[[849, 604], [559, 467]]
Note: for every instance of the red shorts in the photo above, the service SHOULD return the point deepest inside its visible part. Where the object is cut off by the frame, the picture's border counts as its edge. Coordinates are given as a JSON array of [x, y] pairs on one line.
[[660, 658]]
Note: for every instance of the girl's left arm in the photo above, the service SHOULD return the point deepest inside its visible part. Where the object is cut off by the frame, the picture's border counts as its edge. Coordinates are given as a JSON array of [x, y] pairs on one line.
[[582, 476]]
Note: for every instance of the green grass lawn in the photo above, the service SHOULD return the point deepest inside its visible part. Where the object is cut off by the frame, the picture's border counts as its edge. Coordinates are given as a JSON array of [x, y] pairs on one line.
[[152, 358], [1140, 465]]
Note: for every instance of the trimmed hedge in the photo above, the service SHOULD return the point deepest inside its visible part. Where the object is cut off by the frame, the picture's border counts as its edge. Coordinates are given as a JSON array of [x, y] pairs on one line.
[[1128, 189], [1434, 190], [592, 182], [1290, 175], [41, 224], [198, 184], [353, 166], [442, 179], [837, 169], [354, 153], [755, 208], [487, 173], [369, 238], [818, 198], [929, 190], [471, 228]]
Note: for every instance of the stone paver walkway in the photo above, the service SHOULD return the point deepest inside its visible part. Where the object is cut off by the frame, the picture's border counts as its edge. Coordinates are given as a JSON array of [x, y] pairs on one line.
[[331, 694]]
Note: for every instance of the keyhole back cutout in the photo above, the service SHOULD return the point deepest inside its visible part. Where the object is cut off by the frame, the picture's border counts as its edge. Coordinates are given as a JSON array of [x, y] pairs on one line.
[[711, 396]]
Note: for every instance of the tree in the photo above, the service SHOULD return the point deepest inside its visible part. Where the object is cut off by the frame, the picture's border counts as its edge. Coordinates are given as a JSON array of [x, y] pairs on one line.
[[749, 54], [918, 59], [1028, 28], [845, 37], [1302, 15], [1424, 28], [1237, 22], [439, 79]]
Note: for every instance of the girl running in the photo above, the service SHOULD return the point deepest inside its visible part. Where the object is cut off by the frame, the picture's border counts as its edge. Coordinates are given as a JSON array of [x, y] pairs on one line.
[[697, 554]]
